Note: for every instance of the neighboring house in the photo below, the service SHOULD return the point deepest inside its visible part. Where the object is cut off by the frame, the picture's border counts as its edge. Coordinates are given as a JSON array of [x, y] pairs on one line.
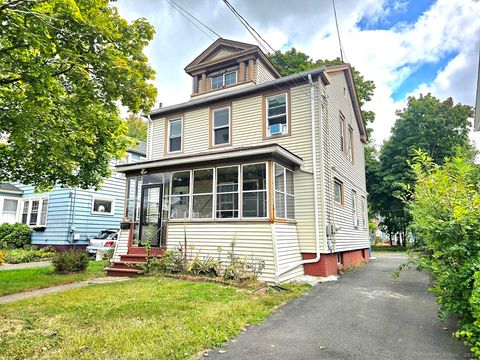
[[274, 164], [66, 217]]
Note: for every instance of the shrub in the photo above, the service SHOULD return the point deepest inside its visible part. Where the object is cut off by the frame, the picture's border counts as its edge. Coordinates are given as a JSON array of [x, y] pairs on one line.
[[207, 266], [2, 257], [70, 261], [17, 256], [13, 236]]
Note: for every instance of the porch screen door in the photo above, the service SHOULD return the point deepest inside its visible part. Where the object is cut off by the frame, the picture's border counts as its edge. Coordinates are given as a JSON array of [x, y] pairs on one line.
[[151, 214]]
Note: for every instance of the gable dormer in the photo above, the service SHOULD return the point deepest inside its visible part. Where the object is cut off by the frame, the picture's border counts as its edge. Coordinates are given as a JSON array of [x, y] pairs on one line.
[[226, 64]]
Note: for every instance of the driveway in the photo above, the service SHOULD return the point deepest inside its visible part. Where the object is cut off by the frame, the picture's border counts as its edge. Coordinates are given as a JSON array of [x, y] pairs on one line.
[[364, 315]]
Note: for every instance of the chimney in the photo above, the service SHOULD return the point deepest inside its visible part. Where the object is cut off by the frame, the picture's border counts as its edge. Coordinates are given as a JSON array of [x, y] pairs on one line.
[[160, 105]]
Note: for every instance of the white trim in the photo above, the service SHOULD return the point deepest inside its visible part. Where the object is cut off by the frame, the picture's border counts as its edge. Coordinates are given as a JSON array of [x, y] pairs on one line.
[[229, 126], [239, 171], [29, 211], [103, 198], [199, 194], [169, 121], [19, 205], [267, 179], [171, 195], [283, 192], [287, 120]]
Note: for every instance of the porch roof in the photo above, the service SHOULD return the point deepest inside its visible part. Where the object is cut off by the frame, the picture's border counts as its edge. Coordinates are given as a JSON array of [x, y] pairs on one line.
[[236, 153], [10, 188]]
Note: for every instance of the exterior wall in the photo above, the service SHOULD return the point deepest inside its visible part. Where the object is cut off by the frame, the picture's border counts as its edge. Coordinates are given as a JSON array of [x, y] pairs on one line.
[[287, 251], [251, 239], [263, 74], [328, 264], [348, 237]]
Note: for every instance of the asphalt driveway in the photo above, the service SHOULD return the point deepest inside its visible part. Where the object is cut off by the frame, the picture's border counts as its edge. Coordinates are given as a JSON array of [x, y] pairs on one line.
[[364, 315]]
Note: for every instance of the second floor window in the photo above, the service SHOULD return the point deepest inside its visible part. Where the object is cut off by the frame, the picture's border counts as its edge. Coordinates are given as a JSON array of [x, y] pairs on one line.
[[350, 144], [175, 135], [342, 132], [221, 126], [277, 116], [225, 79]]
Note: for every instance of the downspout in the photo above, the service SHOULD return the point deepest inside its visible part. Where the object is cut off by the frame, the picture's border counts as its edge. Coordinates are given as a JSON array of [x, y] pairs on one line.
[[315, 180]]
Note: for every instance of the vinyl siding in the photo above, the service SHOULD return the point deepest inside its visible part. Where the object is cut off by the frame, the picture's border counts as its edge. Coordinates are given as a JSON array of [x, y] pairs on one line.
[[251, 239], [288, 251], [351, 174], [263, 74]]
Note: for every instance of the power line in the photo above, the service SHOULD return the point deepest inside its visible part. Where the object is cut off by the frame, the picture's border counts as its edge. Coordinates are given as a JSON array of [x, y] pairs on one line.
[[204, 25]]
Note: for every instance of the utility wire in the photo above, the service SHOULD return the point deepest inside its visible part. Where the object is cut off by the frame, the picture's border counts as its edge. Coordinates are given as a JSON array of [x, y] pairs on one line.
[[199, 21], [338, 31]]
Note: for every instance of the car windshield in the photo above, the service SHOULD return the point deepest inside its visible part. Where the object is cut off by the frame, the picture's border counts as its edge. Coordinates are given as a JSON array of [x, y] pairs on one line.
[[105, 235]]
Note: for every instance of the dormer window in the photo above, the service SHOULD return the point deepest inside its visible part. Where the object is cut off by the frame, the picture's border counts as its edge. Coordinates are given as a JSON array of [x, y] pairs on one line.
[[225, 79]]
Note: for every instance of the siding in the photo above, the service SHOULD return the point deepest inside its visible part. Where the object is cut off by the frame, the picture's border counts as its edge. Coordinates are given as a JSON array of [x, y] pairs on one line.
[[352, 175], [251, 239], [263, 74], [288, 250]]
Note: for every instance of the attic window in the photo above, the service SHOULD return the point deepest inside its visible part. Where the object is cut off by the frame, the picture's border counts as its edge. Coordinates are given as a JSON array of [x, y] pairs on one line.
[[225, 79]]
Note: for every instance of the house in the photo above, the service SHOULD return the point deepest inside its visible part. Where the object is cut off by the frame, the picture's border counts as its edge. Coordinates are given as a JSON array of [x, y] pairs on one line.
[[273, 164], [66, 217]]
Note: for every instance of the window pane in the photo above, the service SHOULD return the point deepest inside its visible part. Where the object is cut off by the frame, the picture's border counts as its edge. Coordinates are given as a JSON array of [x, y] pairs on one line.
[[25, 211], [255, 204], [34, 213], [179, 207], [277, 105], [227, 179], [203, 181], [254, 177], [221, 117], [43, 215], [289, 182], [10, 205], [217, 82], [202, 206], [279, 205], [175, 128], [181, 183], [290, 207], [222, 136], [227, 205], [231, 78], [277, 120], [175, 144], [338, 192], [279, 178], [102, 206]]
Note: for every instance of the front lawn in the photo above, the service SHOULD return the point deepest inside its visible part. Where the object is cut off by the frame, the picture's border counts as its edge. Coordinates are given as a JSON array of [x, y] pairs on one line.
[[14, 281], [144, 318]]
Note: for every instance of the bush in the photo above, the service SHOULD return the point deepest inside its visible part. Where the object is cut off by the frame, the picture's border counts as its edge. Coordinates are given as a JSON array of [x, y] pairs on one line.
[[207, 266], [2, 257], [17, 256], [14, 236], [70, 261]]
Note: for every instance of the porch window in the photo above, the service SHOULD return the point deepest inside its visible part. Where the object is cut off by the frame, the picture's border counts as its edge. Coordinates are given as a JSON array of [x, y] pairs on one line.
[[284, 193], [202, 194], [9, 211], [180, 193], [277, 117], [175, 135], [103, 205], [221, 126], [254, 192], [227, 192]]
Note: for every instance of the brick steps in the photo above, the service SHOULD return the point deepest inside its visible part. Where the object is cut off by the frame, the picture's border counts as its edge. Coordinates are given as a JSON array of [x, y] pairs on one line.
[[127, 266]]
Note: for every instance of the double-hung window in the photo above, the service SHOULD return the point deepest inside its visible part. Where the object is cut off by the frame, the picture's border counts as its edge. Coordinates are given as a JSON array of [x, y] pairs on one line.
[[350, 143], [221, 126], [342, 132], [35, 205], [227, 192], [354, 208], [180, 195], [338, 191], [175, 135], [9, 211], [277, 114], [34, 212], [254, 191], [364, 213], [228, 78], [202, 194], [284, 193]]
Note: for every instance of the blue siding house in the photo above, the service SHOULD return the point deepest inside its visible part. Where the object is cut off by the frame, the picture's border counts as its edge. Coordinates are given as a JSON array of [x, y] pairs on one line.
[[66, 217]]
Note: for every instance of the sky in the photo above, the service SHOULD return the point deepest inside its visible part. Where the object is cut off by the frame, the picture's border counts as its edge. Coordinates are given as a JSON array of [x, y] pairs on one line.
[[405, 47]]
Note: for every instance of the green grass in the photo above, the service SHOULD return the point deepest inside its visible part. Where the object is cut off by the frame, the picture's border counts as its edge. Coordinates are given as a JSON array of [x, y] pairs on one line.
[[14, 281], [389, 248], [144, 318]]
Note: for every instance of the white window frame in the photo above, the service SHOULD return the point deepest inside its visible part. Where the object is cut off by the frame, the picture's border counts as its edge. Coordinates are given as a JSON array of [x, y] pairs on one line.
[[229, 126], [169, 122], [19, 206], [267, 118], [267, 179], [223, 79], [192, 194], [29, 210], [283, 192], [350, 152], [239, 205], [342, 133], [355, 209], [103, 198], [342, 192], [365, 212]]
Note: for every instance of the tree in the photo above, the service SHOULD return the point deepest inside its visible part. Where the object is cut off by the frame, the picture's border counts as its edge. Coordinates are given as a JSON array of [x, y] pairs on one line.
[[66, 65], [439, 128], [293, 61], [137, 128]]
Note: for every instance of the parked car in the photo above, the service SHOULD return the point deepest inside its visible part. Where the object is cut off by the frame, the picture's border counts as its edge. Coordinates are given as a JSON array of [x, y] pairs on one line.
[[104, 241]]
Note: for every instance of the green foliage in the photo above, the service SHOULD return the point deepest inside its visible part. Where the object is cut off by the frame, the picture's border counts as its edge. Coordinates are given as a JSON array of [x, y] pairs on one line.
[[445, 210], [206, 266], [70, 261], [137, 128], [14, 235], [17, 256], [66, 65], [171, 262], [2, 256], [293, 61]]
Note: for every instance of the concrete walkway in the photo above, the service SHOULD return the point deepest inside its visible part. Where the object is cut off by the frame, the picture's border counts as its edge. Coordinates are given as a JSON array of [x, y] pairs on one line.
[[29, 265], [54, 289], [364, 315]]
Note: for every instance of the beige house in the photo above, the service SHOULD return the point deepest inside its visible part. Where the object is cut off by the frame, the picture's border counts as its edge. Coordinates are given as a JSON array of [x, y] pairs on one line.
[[273, 163]]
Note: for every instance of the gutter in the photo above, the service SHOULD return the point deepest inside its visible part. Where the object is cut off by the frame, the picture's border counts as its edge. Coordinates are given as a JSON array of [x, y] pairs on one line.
[[315, 182]]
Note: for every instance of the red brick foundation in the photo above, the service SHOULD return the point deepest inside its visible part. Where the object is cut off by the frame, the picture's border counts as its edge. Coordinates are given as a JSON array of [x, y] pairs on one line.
[[328, 262]]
